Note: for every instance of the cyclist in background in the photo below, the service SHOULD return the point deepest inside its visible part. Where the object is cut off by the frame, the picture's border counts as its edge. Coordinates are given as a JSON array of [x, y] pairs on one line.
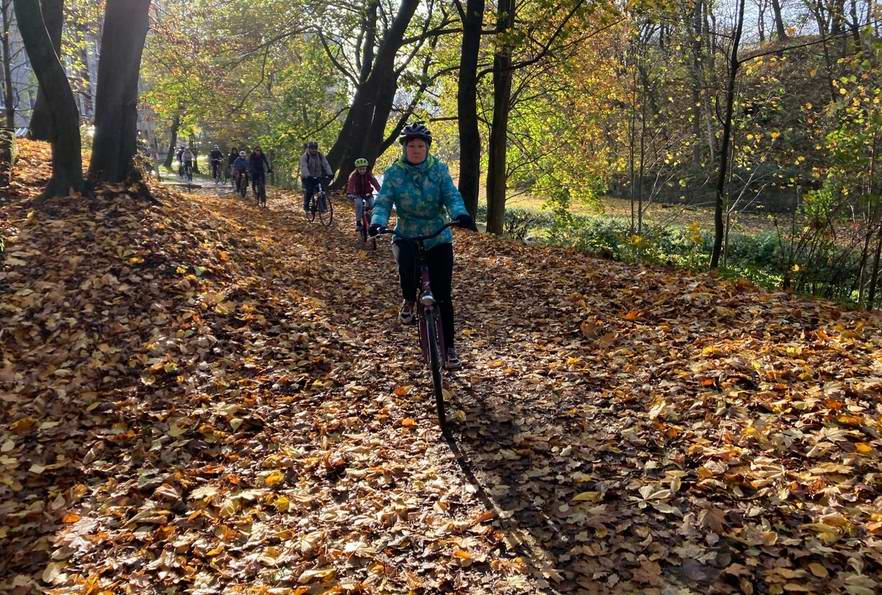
[[314, 168], [419, 186], [258, 167], [187, 158], [234, 153], [240, 170], [179, 155], [361, 184], [215, 158]]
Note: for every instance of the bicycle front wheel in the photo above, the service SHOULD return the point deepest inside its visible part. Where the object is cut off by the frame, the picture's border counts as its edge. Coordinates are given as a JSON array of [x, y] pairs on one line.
[[326, 214], [435, 364], [310, 211]]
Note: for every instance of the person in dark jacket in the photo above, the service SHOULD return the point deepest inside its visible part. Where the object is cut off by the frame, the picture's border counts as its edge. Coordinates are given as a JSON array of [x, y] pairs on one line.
[[258, 167]]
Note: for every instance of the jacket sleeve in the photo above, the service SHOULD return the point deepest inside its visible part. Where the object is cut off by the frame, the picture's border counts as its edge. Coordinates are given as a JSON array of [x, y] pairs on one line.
[[350, 185], [304, 168], [384, 200], [450, 196], [327, 166]]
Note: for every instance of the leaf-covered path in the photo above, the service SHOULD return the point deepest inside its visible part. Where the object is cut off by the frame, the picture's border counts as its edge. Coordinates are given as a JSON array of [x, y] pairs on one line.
[[208, 397]]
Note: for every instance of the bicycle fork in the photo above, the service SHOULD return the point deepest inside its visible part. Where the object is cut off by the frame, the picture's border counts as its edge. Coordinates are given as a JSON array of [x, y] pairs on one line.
[[427, 304]]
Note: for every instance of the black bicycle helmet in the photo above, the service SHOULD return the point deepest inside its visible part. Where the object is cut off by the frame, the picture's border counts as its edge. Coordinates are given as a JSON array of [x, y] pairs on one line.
[[313, 144], [415, 130]]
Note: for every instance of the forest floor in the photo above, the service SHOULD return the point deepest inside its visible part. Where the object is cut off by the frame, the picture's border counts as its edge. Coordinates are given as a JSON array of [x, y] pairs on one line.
[[208, 397]]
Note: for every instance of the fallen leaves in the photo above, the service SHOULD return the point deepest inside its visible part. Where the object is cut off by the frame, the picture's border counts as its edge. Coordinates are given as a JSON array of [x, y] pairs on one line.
[[198, 397]]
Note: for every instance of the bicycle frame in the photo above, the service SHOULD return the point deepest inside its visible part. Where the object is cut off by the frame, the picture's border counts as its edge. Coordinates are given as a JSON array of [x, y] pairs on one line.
[[429, 324], [426, 306]]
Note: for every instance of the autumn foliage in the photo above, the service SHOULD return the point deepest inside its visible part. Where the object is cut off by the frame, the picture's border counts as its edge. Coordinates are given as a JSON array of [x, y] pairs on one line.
[[204, 396]]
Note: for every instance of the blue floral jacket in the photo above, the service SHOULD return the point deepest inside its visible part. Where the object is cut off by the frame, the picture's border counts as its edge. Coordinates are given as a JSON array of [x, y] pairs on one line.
[[424, 197]]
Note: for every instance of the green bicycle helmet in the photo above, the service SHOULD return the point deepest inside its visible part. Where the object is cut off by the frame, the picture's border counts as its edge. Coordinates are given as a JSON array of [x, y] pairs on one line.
[[361, 162]]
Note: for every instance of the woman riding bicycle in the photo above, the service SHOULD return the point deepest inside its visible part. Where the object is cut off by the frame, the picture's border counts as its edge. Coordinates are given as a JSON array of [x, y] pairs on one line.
[[420, 188], [360, 186]]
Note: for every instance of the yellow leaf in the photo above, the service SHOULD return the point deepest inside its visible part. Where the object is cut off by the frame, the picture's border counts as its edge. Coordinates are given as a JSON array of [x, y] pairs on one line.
[[401, 391], [408, 422], [70, 517], [282, 503], [863, 448], [590, 496], [631, 315], [274, 478], [818, 570]]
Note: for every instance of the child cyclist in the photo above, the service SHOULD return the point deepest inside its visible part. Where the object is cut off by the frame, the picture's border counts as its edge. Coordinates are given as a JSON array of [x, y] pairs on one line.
[[361, 185]]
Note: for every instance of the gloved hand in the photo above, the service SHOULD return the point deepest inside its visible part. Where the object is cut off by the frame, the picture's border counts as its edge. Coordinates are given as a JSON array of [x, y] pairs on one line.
[[465, 221], [374, 229]]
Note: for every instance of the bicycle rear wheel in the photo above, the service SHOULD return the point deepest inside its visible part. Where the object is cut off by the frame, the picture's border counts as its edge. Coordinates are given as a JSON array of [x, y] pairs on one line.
[[435, 364], [327, 214]]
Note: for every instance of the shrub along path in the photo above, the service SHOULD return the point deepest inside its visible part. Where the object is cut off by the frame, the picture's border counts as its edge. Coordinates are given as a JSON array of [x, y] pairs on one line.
[[211, 397]]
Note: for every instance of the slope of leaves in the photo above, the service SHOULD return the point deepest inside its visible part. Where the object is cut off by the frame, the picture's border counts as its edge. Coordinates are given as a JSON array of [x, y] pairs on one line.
[[210, 397]]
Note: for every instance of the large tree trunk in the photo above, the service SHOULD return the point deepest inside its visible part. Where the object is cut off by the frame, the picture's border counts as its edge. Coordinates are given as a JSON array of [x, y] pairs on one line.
[[779, 21], [734, 64], [8, 99], [67, 161], [496, 151], [368, 110], [467, 106], [41, 119], [173, 143], [116, 103]]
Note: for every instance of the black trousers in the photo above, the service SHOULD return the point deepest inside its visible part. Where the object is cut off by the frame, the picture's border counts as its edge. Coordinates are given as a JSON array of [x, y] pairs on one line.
[[440, 261]]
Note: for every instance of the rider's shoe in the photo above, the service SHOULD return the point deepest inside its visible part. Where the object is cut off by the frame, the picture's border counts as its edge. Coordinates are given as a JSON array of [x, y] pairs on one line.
[[407, 312], [452, 362]]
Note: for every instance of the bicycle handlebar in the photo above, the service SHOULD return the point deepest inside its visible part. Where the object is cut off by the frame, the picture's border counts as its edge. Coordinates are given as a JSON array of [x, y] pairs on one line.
[[384, 231]]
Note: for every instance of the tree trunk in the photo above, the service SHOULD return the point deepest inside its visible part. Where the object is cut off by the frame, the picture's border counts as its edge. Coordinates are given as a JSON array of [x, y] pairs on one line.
[[116, 102], [352, 141], [734, 64], [8, 99], [41, 119], [496, 151], [87, 92], [779, 21], [467, 106], [67, 161], [173, 143]]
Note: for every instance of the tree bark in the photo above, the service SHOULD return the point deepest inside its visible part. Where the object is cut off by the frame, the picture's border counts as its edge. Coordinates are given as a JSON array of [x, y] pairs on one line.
[[116, 102], [497, 149], [8, 99], [734, 64], [371, 97], [467, 106], [87, 89], [173, 143], [67, 161], [779, 21], [41, 119]]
